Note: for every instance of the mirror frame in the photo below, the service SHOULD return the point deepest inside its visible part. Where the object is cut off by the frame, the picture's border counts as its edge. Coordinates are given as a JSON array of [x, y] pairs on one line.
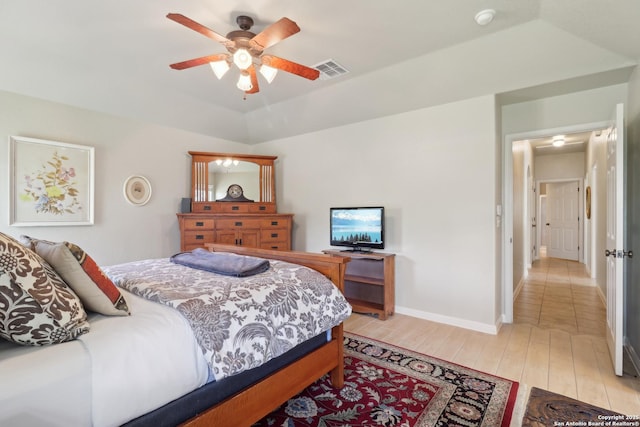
[[200, 183]]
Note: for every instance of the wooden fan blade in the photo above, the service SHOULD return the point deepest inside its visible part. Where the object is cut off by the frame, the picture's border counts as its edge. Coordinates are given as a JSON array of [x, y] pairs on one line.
[[199, 61], [290, 67], [274, 33], [189, 23], [254, 81]]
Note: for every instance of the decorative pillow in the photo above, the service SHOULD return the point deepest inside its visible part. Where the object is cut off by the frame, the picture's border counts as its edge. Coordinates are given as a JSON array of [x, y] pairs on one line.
[[36, 306], [96, 291]]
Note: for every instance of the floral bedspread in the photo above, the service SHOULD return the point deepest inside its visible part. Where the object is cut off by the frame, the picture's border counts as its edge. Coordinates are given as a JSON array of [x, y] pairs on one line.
[[240, 322]]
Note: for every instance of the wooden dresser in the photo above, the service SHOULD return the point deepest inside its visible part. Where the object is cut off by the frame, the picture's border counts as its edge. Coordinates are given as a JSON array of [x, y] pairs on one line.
[[266, 231], [234, 203]]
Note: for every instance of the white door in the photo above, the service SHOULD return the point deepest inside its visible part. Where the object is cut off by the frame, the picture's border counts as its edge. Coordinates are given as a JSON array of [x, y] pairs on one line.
[[543, 220], [615, 252], [531, 203], [563, 218]]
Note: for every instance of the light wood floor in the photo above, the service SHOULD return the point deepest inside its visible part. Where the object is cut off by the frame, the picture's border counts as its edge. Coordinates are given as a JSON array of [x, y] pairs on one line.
[[556, 342]]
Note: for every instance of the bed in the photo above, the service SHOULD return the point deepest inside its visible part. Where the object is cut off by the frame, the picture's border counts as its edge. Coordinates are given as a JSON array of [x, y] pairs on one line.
[[173, 390]]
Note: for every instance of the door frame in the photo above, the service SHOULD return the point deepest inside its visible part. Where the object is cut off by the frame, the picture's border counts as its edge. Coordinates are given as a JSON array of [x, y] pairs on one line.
[[507, 202]]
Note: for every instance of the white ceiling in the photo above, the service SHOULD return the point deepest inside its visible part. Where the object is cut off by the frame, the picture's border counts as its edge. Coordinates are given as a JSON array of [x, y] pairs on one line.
[[574, 143], [113, 56]]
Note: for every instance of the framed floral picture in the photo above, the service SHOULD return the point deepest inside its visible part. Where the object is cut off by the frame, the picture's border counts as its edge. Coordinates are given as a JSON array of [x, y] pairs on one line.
[[50, 183]]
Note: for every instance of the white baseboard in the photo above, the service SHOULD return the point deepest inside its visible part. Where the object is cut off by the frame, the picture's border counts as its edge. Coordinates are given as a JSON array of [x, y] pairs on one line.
[[453, 321], [601, 295], [516, 292]]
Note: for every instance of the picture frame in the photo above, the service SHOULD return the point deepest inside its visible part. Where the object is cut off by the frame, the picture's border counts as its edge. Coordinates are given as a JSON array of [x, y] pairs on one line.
[[588, 202], [137, 190], [51, 183]]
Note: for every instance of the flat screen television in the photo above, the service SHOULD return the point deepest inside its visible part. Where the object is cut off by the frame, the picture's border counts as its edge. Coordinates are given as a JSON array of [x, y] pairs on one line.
[[359, 228]]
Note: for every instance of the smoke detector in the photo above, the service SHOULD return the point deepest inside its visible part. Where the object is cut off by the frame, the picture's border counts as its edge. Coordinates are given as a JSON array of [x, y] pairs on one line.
[[485, 16]]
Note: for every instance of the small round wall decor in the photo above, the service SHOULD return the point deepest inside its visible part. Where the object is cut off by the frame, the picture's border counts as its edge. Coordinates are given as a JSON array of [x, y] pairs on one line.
[[137, 190]]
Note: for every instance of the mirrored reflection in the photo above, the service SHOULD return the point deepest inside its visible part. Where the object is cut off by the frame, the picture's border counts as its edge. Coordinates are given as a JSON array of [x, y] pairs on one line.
[[223, 173]]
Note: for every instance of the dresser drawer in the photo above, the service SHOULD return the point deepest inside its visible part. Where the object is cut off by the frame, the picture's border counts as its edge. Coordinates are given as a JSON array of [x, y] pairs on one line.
[[275, 222], [198, 224], [268, 231], [274, 235], [276, 246], [198, 237], [239, 223]]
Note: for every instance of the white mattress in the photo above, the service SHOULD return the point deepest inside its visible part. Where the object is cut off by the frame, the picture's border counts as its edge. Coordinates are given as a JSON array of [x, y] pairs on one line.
[[124, 367], [45, 386]]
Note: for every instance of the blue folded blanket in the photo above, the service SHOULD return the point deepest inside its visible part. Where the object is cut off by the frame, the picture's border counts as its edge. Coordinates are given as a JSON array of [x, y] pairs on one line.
[[224, 263]]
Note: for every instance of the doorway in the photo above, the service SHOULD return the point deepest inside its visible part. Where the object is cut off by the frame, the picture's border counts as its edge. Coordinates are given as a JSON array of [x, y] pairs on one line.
[[510, 284]]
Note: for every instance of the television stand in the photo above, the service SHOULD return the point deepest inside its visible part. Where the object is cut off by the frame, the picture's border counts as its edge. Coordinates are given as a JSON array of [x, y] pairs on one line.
[[358, 250], [369, 281]]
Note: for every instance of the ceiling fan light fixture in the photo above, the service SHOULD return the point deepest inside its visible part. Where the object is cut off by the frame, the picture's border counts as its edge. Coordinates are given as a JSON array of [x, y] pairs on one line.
[[244, 82], [558, 141], [245, 50], [269, 73], [219, 68], [242, 59]]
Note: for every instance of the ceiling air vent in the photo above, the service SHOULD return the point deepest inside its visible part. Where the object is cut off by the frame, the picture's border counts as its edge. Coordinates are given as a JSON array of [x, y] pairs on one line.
[[330, 69]]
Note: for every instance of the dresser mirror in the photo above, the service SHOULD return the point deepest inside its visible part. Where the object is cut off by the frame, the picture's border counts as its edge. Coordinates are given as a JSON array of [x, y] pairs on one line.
[[222, 174], [213, 173]]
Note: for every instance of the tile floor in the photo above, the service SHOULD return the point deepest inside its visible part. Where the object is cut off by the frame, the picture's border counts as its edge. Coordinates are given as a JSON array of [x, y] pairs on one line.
[[559, 294]]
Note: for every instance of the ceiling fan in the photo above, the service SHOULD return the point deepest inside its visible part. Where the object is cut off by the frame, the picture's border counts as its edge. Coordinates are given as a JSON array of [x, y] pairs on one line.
[[246, 51]]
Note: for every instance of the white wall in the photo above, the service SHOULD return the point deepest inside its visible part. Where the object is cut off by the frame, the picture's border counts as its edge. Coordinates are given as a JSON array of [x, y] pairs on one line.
[[596, 161], [560, 166], [519, 194], [123, 147], [576, 108], [434, 170]]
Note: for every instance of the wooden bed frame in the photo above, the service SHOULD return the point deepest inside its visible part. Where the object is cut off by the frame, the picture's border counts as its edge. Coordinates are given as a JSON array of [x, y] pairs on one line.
[[254, 403]]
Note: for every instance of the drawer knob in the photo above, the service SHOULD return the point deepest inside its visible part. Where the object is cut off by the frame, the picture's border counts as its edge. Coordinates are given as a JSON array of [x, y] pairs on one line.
[[235, 208], [274, 234], [274, 222], [199, 237], [199, 224], [238, 223], [207, 208]]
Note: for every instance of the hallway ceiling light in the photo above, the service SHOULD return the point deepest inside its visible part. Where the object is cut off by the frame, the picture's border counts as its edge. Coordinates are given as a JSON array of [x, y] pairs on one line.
[[558, 140]]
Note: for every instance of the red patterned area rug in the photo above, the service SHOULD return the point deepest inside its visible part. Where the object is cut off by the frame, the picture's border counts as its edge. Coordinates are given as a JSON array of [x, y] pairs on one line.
[[391, 386]]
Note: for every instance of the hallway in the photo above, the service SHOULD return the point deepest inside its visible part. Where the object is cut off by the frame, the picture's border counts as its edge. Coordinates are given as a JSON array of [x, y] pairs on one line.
[[558, 294]]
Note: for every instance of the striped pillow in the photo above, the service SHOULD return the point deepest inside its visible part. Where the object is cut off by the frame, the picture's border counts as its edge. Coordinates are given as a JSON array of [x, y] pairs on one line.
[[96, 291]]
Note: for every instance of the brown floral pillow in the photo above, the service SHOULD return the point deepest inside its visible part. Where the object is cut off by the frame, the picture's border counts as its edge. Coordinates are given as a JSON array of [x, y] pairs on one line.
[[36, 305]]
